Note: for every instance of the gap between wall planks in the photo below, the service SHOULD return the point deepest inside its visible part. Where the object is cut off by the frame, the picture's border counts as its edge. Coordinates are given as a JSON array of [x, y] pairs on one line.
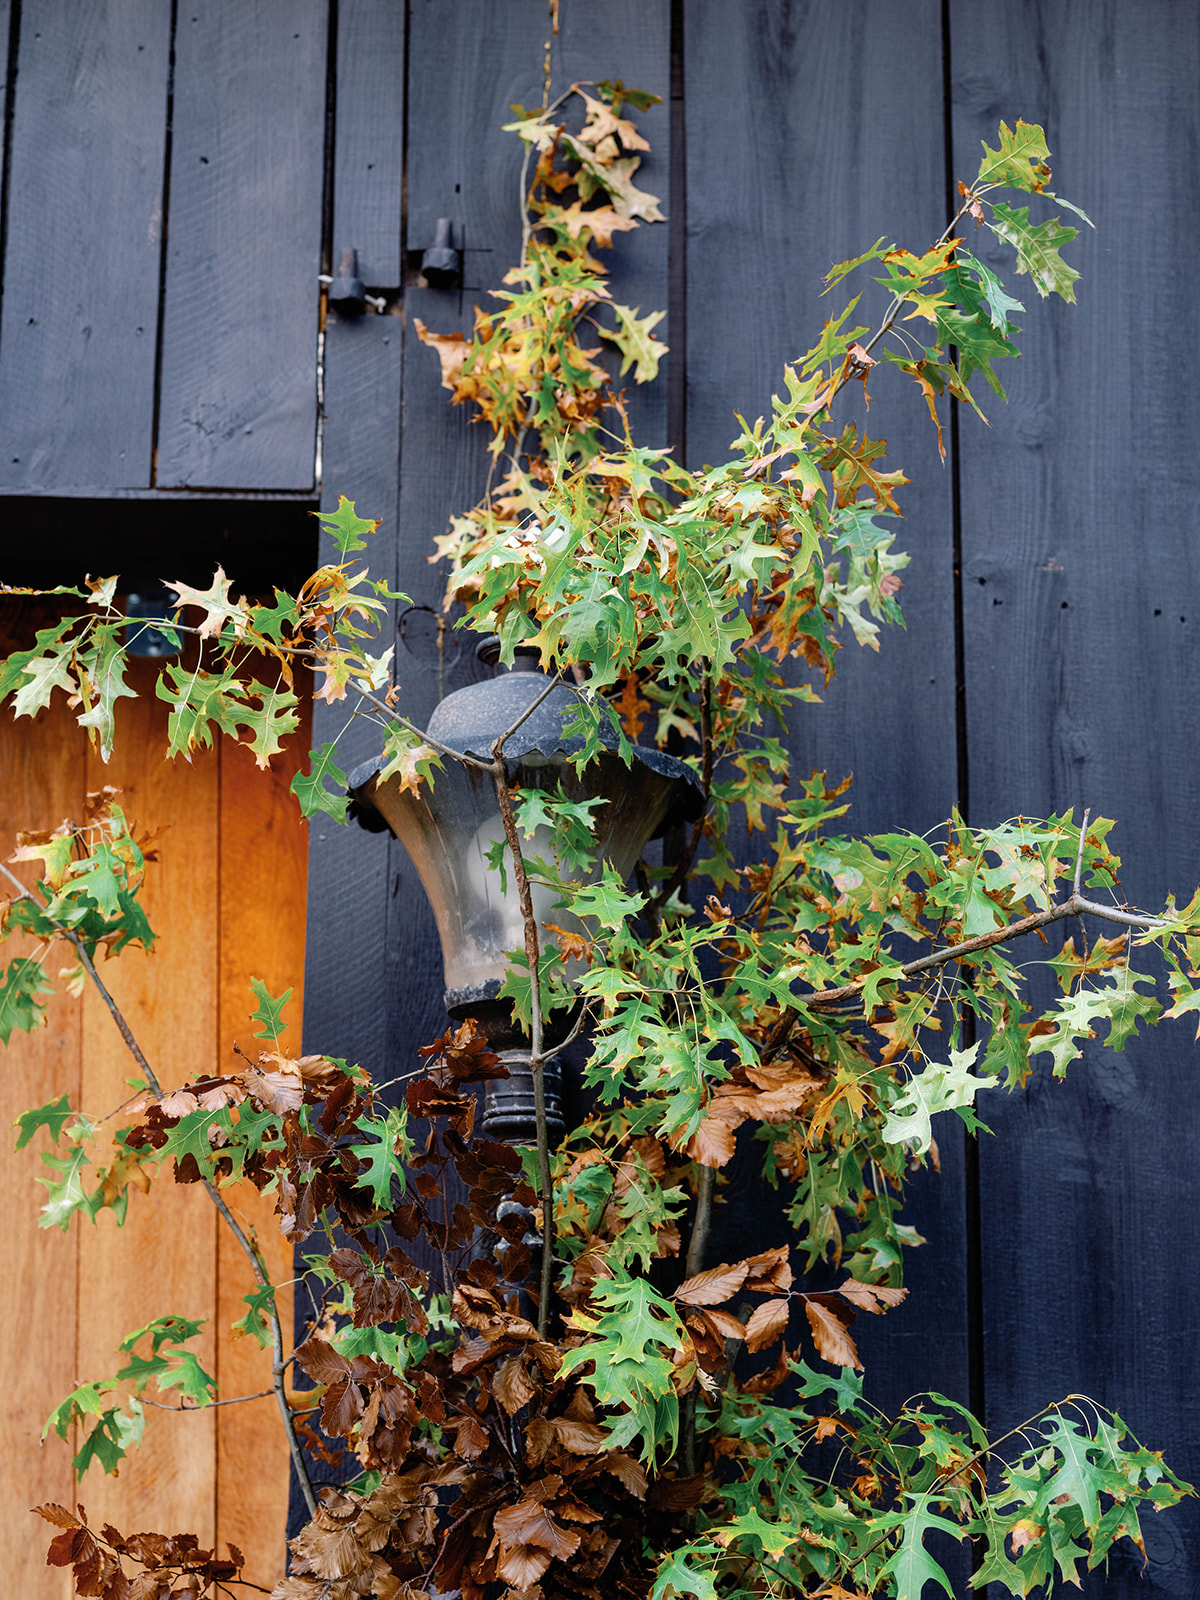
[[227, 898]]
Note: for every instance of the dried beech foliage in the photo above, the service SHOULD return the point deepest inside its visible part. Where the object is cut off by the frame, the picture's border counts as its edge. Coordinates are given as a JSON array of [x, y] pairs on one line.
[[523, 1377]]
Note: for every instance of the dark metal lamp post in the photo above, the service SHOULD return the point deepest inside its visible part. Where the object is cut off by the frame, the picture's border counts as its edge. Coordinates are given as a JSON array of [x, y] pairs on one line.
[[449, 829]]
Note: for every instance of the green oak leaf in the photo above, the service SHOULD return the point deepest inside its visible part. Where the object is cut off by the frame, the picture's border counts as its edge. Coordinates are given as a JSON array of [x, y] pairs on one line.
[[310, 788], [348, 530], [633, 338], [269, 1011], [1038, 249], [20, 1008], [935, 1088], [1021, 162]]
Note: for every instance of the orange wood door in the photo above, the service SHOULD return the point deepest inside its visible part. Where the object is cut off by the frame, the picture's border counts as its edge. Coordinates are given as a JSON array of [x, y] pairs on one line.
[[227, 899]]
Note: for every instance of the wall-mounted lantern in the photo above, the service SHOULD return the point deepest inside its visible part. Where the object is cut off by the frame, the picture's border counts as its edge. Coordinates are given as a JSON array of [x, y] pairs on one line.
[[449, 829]]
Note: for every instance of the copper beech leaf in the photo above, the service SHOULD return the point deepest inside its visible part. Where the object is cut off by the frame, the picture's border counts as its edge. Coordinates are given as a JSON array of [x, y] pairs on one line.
[[712, 1287], [767, 1323], [832, 1340]]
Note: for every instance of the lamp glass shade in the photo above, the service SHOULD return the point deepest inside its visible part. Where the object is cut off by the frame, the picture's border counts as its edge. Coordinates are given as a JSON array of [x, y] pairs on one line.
[[452, 827]]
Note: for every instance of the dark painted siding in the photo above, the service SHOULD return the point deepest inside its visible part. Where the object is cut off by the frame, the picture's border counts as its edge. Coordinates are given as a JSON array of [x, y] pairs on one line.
[[84, 231], [796, 135]]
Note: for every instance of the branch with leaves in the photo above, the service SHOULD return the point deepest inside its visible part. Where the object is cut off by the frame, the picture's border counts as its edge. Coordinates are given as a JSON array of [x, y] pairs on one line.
[[659, 1428]]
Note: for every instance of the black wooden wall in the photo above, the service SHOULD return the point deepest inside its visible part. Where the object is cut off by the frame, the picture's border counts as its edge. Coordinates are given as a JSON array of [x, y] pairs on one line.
[[174, 178]]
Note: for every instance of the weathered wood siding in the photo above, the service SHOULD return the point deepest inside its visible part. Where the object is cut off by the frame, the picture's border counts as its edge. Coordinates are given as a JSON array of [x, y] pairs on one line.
[[1052, 604]]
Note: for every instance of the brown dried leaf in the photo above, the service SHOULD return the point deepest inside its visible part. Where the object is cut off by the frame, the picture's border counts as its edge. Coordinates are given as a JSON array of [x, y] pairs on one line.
[[581, 1438], [627, 1471], [58, 1515], [321, 1361], [833, 1342], [275, 1091], [770, 1271], [513, 1387], [767, 1382], [766, 1324], [724, 1323], [874, 1297], [710, 1288], [452, 351], [522, 1565], [712, 1144]]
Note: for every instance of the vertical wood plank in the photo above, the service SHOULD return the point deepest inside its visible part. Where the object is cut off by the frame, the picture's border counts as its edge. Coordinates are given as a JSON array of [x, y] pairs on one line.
[[263, 867], [42, 763], [164, 1259], [810, 133], [368, 166], [344, 1012], [1082, 609], [84, 227], [238, 392]]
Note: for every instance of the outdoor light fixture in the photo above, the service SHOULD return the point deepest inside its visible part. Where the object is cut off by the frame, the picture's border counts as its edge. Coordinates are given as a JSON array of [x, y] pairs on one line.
[[449, 829]]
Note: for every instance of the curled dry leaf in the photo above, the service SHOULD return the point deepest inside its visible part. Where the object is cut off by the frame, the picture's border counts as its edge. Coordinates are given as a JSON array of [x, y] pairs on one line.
[[452, 351], [873, 1297], [770, 1271]]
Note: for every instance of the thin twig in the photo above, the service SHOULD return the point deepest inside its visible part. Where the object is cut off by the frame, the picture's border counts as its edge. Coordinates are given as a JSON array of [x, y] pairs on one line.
[[823, 999], [435, 744], [234, 1400], [1079, 852]]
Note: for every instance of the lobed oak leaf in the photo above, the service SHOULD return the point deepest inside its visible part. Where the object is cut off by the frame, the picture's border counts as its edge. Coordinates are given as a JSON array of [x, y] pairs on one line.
[[711, 1287], [767, 1323], [214, 601]]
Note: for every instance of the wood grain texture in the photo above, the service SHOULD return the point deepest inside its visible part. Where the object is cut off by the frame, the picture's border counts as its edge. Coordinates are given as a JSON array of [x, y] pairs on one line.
[[164, 1259], [41, 760], [368, 166], [809, 134], [1082, 608], [263, 870], [238, 391], [84, 225]]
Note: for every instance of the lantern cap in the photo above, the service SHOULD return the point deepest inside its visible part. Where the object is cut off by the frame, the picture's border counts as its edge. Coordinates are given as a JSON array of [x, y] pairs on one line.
[[471, 719]]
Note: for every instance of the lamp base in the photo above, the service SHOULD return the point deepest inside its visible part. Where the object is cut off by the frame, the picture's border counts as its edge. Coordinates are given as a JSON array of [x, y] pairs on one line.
[[509, 1111]]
